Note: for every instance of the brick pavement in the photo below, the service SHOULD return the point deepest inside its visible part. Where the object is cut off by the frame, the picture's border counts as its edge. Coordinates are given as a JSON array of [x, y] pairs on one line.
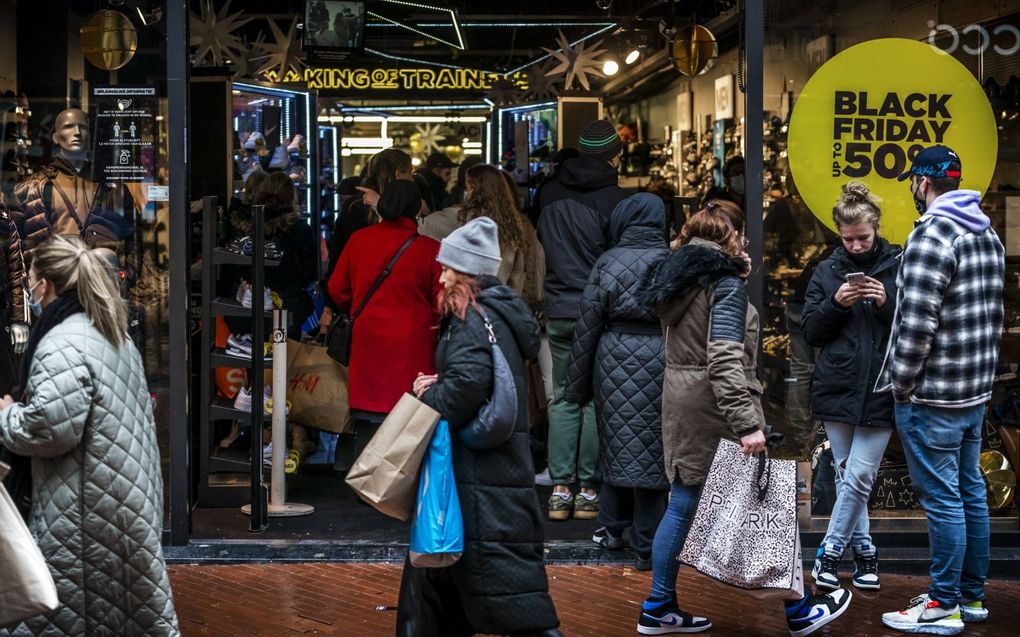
[[358, 600]]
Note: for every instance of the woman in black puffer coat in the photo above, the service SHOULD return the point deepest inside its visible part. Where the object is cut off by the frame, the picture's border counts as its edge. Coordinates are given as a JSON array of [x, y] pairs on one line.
[[499, 585], [851, 323], [618, 360]]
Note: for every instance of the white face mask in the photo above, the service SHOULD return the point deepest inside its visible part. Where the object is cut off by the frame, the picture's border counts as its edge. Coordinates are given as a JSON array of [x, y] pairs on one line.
[[35, 307]]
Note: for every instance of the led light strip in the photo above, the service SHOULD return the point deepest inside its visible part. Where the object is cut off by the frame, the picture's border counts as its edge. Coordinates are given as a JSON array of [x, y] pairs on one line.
[[431, 107], [399, 58], [419, 32], [574, 43], [497, 25], [453, 18]]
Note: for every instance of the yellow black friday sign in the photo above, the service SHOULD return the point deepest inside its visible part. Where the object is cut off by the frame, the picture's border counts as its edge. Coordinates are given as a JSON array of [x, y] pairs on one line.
[[869, 110]]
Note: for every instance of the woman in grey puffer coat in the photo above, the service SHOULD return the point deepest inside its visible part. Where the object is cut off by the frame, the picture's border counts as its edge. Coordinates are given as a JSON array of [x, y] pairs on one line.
[[85, 418], [618, 360]]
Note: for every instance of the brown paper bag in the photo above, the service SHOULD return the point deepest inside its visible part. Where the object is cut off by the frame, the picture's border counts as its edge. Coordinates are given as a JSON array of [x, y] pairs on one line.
[[386, 472], [317, 388]]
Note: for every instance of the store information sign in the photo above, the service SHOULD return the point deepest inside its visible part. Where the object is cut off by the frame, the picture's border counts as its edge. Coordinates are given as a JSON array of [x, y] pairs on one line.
[[868, 111], [123, 133]]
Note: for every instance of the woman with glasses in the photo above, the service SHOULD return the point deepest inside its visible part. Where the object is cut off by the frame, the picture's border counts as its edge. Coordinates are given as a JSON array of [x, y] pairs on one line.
[[848, 313]]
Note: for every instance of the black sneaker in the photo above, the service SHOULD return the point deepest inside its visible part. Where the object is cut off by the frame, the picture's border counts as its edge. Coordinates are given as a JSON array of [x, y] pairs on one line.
[[825, 570], [605, 540], [814, 611], [866, 572], [666, 618]]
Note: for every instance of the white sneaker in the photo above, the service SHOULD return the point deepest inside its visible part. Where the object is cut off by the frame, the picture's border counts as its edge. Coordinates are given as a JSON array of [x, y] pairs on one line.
[[243, 296], [543, 479], [925, 615], [973, 612], [243, 400], [816, 611]]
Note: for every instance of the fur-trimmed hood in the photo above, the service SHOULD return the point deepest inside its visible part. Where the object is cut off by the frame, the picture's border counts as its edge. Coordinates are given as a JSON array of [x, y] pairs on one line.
[[697, 264]]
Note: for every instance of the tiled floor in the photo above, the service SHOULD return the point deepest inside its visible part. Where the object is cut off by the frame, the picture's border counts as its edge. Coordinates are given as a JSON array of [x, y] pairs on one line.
[[358, 600]]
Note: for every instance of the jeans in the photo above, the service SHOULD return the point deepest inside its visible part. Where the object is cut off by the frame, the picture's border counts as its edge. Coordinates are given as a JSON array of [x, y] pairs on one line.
[[639, 509], [942, 446], [573, 439], [857, 452], [669, 539]]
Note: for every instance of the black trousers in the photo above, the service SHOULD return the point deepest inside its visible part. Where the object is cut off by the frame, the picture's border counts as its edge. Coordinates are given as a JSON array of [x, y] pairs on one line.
[[639, 509]]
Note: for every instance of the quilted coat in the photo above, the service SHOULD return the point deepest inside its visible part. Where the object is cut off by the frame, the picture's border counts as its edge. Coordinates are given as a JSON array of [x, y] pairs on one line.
[[97, 490], [395, 336], [500, 578], [853, 342], [618, 357], [12, 267], [711, 389]]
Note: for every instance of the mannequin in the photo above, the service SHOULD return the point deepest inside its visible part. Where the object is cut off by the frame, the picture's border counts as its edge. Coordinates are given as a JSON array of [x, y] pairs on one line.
[[62, 199]]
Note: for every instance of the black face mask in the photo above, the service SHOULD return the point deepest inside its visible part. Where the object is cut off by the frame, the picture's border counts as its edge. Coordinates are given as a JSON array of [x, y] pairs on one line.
[[919, 203]]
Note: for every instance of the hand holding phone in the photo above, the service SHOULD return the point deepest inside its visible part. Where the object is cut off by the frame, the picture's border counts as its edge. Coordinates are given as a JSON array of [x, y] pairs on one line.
[[855, 278]]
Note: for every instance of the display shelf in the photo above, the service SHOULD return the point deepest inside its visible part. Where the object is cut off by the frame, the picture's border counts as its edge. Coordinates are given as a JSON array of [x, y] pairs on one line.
[[225, 306], [223, 409], [222, 256], [226, 460], [218, 357]]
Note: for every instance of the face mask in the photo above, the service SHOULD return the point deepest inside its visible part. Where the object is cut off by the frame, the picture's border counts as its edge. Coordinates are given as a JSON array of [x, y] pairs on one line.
[[35, 307], [919, 203], [737, 184]]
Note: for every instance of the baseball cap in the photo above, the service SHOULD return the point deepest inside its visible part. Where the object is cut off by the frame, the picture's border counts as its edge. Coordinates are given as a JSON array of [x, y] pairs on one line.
[[439, 160], [935, 162]]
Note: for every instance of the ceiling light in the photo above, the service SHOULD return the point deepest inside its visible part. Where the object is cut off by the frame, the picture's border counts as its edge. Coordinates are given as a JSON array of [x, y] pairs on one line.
[[632, 57], [610, 67]]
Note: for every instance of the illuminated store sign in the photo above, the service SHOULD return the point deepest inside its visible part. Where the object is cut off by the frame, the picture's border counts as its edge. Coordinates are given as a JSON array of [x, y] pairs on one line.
[[395, 80]]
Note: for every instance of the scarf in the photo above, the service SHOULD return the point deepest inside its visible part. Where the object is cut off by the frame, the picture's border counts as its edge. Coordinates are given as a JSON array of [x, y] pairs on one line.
[[868, 260]]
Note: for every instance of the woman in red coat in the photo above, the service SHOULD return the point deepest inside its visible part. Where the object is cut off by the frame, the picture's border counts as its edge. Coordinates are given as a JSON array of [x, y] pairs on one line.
[[394, 337]]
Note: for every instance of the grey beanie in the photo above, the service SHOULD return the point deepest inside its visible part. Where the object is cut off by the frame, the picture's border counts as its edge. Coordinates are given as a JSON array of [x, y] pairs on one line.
[[473, 248]]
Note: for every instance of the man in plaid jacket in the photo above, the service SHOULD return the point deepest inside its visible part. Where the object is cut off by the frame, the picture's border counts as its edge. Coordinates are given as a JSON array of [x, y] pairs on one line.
[[939, 366]]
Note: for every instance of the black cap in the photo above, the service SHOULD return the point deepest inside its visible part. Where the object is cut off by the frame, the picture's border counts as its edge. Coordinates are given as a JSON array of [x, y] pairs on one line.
[[439, 160], [935, 162]]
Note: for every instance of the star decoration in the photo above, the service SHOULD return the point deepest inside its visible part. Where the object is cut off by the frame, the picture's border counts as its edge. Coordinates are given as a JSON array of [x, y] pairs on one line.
[[540, 85], [244, 66], [283, 54], [429, 137], [503, 91], [576, 62], [212, 32]]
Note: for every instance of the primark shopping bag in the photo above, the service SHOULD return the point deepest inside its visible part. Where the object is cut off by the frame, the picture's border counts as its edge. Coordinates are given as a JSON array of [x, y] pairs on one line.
[[386, 473], [26, 586], [437, 531], [744, 532]]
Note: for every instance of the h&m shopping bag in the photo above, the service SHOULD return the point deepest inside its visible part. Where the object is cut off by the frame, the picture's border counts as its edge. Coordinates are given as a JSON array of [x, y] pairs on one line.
[[386, 472], [317, 388], [26, 586], [437, 531], [744, 532]]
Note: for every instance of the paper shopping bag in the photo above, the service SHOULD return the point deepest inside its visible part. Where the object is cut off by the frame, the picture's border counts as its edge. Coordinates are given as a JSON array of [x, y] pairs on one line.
[[26, 587], [744, 532], [317, 388], [437, 532], [386, 472]]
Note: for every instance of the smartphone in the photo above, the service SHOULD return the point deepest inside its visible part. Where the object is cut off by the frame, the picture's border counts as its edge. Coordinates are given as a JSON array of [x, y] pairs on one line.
[[855, 278]]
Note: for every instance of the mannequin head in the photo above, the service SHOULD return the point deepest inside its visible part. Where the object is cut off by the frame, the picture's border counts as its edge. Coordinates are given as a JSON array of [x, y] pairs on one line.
[[71, 135]]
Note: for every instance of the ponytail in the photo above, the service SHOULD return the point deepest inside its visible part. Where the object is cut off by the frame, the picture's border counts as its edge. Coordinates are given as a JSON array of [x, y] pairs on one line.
[[70, 265]]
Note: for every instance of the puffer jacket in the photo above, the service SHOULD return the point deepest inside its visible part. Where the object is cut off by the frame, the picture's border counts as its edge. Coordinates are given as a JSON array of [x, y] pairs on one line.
[[853, 342], [97, 490], [618, 357], [711, 389], [500, 578], [12, 267]]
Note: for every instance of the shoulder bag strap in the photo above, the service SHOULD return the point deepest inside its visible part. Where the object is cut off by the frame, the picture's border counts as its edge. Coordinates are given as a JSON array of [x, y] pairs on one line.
[[382, 275]]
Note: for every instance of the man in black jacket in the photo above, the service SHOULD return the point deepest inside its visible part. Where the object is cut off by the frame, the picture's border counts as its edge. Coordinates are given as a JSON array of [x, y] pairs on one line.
[[573, 229]]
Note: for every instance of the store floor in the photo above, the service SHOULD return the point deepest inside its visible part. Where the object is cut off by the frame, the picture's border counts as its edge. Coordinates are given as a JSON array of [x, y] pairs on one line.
[[339, 516]]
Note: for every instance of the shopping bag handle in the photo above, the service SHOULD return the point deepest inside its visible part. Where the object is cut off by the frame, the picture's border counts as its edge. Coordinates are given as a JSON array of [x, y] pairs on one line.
[[764, 478]]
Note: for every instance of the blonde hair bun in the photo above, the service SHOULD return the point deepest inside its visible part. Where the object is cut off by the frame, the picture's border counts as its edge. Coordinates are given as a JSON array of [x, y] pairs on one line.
[[856, 204]]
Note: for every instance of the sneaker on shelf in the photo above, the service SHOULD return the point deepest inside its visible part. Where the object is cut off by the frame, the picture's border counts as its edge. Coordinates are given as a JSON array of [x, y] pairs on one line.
[[267, 454], [866, 572], [973, 612], [925, 615], [643, 563], [272, 251], [543, 479], [666, 618], [825, 570], [561, 505], [603, 538], [240, 343], [241, 245], [586, 507], [807, 615], [243, 400], [243, 296]]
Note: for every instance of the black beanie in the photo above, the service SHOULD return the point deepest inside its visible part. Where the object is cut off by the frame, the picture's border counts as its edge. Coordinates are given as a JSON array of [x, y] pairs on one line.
[[402, 198], [599, 139]]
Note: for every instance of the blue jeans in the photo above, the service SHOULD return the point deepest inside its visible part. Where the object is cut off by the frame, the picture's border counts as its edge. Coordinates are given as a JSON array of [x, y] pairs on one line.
[[669, 539], [942, 446], [857, 452]]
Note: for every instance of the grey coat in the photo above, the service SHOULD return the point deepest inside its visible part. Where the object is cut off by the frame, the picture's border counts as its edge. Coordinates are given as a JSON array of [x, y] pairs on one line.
[[97, 492], [618, 357]]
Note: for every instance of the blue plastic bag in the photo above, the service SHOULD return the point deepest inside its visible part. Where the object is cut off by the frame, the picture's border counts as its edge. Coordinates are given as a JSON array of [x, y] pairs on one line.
[[437, 531]]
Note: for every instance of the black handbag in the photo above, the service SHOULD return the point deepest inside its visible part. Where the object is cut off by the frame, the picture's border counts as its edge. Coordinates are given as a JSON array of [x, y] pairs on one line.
[[497, 418], [341, 330]]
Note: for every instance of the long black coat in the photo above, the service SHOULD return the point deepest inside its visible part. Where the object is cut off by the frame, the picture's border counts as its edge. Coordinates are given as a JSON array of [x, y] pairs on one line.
[[853, 342], [500, 579], [618, 358]]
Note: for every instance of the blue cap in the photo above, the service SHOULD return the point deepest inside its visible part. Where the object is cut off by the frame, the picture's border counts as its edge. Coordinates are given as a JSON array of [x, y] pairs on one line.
[[935, 162]]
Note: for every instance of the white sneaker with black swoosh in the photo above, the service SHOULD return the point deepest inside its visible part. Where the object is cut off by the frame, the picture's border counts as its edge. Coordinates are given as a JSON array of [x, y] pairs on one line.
[[807, 615], [925, 615], [666, 618]]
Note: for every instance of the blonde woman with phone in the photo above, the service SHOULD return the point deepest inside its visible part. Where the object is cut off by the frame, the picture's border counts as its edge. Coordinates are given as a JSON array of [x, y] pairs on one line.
[[848, 313]]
